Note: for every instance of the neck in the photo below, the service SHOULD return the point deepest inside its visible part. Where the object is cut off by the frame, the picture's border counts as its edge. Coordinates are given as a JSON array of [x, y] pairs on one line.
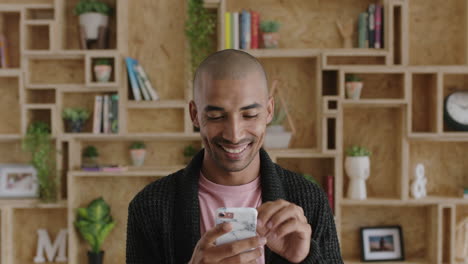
[[219, 175]]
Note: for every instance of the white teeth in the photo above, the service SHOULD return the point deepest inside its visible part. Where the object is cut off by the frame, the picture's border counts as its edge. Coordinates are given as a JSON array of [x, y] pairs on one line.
[[235, 151]]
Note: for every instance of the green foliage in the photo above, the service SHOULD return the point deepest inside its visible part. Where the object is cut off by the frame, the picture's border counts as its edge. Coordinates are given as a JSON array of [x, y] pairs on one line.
[[138, 145], [103, 61], [353, 78], [94, 223], [269, 26], [190, 151], [357, 151], [39, 143], [279, 115], [199, 29], [75, 114], [310, 178], [87, 6], [90, 152]]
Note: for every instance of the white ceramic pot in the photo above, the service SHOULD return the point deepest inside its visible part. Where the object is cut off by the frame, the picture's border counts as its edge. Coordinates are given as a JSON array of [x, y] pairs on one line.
[[102, 72], [358, 170], [91, 22], [353, 90], [277, 137], [138, 156]]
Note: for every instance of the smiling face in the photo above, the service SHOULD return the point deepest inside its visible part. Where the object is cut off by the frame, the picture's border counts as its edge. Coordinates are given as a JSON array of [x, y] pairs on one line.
[[232, 116]]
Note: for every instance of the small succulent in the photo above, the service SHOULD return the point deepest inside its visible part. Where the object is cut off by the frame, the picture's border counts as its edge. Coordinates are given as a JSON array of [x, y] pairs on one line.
[[90, 152], [138, 145], [102, 61], [353, 78], [75, 114], [310, 178], [358, 151], [88, 6], [269, 26], [190, 151]]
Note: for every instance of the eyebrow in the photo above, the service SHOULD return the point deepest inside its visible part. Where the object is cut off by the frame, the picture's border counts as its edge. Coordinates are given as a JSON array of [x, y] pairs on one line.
[[210, 108]]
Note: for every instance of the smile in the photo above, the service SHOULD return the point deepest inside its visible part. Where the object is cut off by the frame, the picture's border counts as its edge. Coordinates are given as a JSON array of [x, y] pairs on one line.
[[235, 150]]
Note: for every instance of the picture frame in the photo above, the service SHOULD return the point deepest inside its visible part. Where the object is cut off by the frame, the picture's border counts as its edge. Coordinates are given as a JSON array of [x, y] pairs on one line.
[[382, 243], [18, 181]]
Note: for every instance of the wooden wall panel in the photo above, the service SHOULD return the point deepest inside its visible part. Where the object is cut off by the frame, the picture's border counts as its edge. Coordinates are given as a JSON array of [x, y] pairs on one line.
[[56, 71], [382, 86], [155, 120], [11, 152], [10, 110], [424, 103]]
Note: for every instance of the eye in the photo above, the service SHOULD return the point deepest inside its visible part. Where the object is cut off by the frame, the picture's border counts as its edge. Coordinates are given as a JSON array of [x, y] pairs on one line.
[[214, 117], [250, 116]]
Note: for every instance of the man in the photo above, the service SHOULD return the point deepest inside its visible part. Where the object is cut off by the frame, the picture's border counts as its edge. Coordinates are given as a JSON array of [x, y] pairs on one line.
[[172, 220]]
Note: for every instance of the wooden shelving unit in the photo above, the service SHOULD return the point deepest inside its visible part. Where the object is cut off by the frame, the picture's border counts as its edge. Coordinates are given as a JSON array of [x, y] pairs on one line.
[[399, 117]]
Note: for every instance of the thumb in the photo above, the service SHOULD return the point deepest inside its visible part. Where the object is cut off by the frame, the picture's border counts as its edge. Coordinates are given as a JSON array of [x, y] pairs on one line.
[[211, 235]]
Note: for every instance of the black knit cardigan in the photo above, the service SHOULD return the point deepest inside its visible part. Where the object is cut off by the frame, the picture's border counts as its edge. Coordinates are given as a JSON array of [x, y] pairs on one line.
[[164, 218]]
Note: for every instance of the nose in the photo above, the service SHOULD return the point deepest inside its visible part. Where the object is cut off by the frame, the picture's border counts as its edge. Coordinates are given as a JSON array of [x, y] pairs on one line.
[[233, 130]]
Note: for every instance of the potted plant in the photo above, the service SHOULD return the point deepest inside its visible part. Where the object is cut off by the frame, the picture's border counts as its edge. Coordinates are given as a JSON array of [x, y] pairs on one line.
[[38, 141], [94, 224], [90, 155], [276, 136], [75, 118], [189, 152], [93, 14], [357, 167], [270, 33], [138, 153], [102, 69], [353, 86]]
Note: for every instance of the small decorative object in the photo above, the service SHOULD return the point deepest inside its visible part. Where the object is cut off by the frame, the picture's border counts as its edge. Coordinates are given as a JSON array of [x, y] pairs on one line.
[[353, 86], [461, 250], [39, 143], [102, 70], [44, 244], [90, 155], [75, 118], [138, 153], [418, 187], [270, 33], [18, 180], [383, 243], [276, 135], [189, 152], [456, 110], [94, 20], [94, 224], [357, 167], [346, 31]]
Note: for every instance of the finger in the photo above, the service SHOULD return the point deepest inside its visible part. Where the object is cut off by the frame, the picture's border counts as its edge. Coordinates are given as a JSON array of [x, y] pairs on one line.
[[266, 211], [303, 230], [246, 257], [286, 213], [237, 247], [211, 235]]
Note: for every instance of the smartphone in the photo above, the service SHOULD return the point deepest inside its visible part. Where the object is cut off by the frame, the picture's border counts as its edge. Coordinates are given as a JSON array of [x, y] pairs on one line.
[[243, 221]]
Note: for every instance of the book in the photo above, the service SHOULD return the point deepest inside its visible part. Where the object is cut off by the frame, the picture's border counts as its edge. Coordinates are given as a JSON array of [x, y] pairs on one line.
[[235, 30], [133, 79], [97, 115], [114, 118], [371, 25], [378, 26], [227, 29], [363, 31], [330, 192], [254, 22], [245, 30], [154, 94], [141, 84], [105, 114]]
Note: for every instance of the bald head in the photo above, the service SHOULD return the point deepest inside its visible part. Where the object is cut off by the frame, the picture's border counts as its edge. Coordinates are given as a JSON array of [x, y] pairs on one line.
[[228, 64]]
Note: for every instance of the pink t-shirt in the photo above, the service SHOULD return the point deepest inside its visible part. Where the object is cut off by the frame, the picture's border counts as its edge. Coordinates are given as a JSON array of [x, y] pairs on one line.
[[212, 196]]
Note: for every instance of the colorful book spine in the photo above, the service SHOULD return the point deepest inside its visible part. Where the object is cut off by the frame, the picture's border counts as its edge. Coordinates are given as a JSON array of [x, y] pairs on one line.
[[227, 29], [115, 113], [235, 30], [133, 79], [330, 192], [141, 84], [255, 17], [371, 25], [363, 31], [378, 26], [105, 114], [154, 94], [97, 115], [245, 30]]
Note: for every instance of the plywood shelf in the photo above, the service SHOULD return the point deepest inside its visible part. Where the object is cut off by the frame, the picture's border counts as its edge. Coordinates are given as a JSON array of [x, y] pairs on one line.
[[131, 136], [157, 104], [30, 203], [374, 103], [132, 172]]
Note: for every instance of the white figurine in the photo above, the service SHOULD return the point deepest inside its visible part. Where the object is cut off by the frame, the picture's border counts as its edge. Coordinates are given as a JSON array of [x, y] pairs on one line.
[[418, 187]]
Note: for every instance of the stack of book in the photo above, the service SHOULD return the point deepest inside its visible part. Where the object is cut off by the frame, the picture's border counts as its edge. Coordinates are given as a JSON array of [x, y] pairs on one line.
[[141, 87], [370, 27], [242, 30], [106, 115]]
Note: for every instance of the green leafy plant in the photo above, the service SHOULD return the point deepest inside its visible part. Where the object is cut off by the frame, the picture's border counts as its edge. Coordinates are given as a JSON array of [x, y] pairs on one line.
[[75, 114], [270, 26], [88, 6], [39, 143], [199, 29], [90, 152], [103, 61], [94, 223], [357, 151], [353, 78], [279, 115], [190, 151], [310, 178], [138, 145]]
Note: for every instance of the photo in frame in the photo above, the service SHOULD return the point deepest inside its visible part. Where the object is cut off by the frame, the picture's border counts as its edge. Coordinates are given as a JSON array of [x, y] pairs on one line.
[[18, 181], [382, 243]]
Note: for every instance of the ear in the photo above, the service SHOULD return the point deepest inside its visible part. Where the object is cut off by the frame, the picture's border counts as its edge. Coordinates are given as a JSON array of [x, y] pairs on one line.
[[194, 114], [270, 109]]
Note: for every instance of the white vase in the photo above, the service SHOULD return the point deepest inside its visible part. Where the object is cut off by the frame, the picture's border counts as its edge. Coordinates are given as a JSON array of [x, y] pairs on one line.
[[353, 90], [358, 170], [102, 72], [276, 137], [91, 22], [138, 157]]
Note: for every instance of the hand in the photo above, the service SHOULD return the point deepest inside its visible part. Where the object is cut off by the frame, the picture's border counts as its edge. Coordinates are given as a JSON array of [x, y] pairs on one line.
[[207, 252], [286, 228]]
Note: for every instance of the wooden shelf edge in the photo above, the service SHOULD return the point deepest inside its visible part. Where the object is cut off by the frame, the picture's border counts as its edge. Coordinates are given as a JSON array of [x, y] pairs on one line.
[[30, 203], [130, 136], [132, 172], [375, 102], [157, 104], [299, 153]]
